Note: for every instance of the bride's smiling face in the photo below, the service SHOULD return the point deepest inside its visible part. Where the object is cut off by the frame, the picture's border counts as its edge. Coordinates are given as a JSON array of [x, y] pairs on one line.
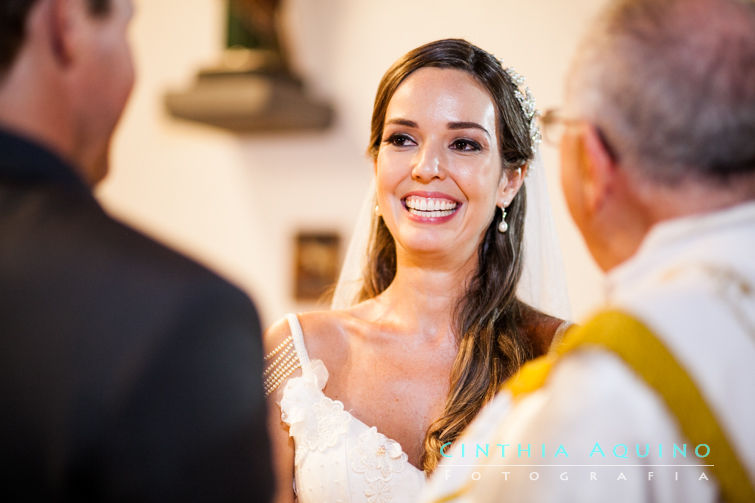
[[438, 169]]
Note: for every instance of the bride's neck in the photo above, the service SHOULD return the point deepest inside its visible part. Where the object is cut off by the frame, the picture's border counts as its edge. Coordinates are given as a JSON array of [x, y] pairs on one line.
[[424, 297]]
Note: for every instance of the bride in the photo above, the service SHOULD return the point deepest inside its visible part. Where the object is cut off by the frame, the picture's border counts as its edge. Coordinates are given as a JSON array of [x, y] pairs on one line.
[[363, 398]]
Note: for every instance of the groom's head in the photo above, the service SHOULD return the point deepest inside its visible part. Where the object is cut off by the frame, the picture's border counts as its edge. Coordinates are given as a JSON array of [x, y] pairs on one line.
[[65, 75], [660, 118]]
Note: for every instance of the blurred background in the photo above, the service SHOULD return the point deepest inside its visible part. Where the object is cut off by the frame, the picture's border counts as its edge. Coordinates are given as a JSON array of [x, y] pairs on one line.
[[266, 209]]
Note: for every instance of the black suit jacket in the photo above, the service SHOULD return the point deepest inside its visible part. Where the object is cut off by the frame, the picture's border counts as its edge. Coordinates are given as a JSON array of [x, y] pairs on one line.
[[127, 372]]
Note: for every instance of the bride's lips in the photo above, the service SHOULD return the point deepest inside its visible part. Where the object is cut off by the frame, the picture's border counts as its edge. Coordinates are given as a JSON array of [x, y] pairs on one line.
[[430, 207]]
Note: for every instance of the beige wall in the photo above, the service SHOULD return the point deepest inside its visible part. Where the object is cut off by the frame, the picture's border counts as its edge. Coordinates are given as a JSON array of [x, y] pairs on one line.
[[235, 202]]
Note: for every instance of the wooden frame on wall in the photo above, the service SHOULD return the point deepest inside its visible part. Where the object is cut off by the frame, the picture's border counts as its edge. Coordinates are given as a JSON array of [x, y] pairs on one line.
[[316, 265]]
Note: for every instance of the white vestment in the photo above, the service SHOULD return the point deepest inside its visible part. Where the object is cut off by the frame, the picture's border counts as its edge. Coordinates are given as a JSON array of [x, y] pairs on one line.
[[595, 431]]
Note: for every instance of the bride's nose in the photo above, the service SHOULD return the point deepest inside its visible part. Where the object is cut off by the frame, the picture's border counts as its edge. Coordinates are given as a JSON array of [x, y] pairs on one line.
[[428, 164]]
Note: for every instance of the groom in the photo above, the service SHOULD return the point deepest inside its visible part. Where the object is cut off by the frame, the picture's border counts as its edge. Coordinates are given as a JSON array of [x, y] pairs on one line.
[[651, 399], [127, 372]]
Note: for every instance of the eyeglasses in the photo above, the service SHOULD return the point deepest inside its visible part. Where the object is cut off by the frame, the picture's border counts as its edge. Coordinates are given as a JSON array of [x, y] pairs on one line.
[[553, 124]]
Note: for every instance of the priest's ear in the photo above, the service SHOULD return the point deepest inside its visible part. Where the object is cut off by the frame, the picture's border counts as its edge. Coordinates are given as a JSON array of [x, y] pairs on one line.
[[598, 167]]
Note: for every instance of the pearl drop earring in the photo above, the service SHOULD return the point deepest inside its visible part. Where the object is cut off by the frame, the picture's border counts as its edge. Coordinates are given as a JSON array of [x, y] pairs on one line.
[[503, 226]]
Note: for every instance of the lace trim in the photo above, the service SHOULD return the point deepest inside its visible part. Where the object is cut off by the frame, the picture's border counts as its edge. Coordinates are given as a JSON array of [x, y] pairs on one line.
[[285, 363], [315, 421], [377, 458], [378, 492]]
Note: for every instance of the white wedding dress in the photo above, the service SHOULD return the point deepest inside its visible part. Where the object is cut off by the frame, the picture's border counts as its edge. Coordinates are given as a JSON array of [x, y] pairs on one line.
[[338, 458]]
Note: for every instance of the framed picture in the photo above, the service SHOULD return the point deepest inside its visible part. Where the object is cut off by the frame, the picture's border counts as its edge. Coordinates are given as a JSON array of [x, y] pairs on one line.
[[316, 265]]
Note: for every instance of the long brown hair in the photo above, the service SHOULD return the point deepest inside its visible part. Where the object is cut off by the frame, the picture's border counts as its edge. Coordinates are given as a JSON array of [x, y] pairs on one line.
[[488, 316]]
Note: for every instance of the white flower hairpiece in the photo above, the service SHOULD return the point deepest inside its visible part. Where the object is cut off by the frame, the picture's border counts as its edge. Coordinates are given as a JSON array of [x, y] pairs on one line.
[[527, 102]]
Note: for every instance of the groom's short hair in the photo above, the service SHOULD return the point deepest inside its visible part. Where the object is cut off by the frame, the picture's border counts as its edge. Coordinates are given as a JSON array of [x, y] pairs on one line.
[[13, 18], [671, 86]]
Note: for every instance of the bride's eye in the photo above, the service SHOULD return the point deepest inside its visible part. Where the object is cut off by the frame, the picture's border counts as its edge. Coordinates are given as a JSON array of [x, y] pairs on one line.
[[399, 140], [465, 145]]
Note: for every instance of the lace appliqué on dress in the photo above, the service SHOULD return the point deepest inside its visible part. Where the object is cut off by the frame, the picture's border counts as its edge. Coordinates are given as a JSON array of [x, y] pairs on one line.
[[315, 421], [377, 458]]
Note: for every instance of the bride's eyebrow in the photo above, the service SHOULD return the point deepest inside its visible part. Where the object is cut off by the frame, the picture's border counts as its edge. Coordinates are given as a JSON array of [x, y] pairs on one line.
[[467, 125], [401, 122], [451, 125]]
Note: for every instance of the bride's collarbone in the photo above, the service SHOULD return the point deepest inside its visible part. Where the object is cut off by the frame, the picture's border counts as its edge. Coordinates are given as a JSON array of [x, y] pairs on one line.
[[400, 408], [389, 374], [383, 383], [353, 348], [386, 383]]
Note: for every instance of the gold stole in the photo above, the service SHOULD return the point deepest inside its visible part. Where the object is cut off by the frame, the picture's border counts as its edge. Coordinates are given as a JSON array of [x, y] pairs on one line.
[[649, 358]]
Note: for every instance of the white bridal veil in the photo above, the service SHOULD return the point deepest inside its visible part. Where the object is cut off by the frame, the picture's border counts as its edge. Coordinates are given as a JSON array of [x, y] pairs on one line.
[[542, 285]]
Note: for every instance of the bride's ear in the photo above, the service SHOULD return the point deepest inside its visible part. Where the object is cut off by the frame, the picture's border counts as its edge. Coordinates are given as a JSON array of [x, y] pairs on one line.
[[510, 183]]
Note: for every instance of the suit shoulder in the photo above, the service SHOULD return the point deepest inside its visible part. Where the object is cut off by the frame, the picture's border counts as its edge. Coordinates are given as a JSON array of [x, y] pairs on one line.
[[128, 249], [151, 274]]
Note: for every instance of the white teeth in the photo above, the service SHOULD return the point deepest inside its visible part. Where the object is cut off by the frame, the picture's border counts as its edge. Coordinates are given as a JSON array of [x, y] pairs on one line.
[[430, 204], [431, 214]]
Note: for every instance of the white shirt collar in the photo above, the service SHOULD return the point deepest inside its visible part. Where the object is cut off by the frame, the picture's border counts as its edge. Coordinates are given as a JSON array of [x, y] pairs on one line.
[[672, 235]]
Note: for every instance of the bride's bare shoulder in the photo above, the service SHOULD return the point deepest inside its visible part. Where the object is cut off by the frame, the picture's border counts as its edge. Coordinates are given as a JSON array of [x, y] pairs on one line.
[[542, 328], [276, 334], [326, 333]]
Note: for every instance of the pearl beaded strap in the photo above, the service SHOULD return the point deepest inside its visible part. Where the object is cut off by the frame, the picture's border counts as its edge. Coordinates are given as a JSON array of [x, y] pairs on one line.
[[289, 355], [277, 348], [284, 364]]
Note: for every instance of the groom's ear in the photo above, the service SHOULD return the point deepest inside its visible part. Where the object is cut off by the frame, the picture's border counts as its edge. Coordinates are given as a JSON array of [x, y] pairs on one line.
[[64, 23], [510, 183]]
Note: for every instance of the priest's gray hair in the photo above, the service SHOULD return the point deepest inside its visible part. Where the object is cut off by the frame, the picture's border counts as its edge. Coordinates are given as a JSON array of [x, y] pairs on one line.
[[670, 84]]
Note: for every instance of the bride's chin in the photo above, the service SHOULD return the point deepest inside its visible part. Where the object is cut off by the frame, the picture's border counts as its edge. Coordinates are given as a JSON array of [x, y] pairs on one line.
[[428, 243]]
